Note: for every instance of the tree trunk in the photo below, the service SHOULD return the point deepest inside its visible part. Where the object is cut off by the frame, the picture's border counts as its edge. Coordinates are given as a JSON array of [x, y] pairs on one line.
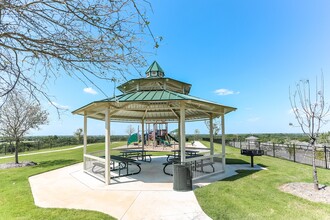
[[316, 181], [16, 151]]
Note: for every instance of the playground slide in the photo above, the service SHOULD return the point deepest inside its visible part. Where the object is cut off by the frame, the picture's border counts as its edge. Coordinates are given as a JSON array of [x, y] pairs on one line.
[[173, 138], [132, 139]]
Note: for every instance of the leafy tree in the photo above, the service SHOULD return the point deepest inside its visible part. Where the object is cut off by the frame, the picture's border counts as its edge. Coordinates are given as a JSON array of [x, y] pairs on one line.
[[19, 115], [78, 135], [310, 111], [85, 39], [324, 138], [51, 140]]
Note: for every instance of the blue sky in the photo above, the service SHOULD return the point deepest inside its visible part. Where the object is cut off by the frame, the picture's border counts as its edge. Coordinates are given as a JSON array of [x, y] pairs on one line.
[[254, 49]]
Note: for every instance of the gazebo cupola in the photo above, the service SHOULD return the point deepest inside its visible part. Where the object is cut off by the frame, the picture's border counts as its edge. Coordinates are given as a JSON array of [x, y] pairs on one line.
[[155, 80], [155, 71]]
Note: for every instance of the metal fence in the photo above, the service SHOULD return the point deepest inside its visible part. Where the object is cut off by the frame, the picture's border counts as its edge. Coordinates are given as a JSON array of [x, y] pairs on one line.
[[293, 152]]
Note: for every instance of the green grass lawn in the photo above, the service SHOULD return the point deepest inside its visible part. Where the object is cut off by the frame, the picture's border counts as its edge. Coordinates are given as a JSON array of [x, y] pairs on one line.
[[255, 195], [16, 201], [249, 195]]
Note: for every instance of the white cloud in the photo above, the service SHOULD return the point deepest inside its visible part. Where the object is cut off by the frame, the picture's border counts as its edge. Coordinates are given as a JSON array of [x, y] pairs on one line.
[[225, 92], [90, 90], [62, 107]]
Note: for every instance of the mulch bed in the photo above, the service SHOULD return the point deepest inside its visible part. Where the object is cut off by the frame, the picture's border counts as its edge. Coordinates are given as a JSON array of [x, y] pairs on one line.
[[306, 191], [15, 165]]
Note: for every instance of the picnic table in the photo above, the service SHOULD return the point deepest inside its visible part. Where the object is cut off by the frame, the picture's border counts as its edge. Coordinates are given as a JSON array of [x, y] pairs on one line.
[[121, 162], [143, 154], [194, 165], [177, 154]]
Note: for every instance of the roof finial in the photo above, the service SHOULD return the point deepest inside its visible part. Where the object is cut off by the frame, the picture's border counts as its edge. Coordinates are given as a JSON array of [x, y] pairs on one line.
[[155, 71]]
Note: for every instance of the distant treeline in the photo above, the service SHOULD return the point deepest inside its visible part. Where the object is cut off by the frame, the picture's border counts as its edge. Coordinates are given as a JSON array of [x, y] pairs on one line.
[[52, 141], [276, 137], [43, 142], [279, 138]]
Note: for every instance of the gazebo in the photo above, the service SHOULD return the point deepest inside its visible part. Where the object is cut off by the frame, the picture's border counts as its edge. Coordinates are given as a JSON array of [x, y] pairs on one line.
[[153, 99]]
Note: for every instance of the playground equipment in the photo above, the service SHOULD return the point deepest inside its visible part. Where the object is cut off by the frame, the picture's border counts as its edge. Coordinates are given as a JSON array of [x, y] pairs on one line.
[[160, 136], [133, 138], [157, 136], [173, 138]]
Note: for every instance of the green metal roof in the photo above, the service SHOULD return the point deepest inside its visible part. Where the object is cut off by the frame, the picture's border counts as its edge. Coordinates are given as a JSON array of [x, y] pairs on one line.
[[153, 105], [148, 84], [163, 95], [155, 67], [151, 99]]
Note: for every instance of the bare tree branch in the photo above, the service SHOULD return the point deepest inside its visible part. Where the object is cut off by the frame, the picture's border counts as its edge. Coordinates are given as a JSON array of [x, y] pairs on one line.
[[311, 114], [83, 38]]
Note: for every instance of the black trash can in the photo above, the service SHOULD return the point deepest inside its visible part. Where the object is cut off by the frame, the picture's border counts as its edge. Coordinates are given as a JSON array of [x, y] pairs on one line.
[[182, 180]]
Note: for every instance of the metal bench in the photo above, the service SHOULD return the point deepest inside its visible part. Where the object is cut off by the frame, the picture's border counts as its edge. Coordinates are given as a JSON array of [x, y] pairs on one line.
[[137, 156], [123, 163], [164, 168], [194, 165], [201, 164]]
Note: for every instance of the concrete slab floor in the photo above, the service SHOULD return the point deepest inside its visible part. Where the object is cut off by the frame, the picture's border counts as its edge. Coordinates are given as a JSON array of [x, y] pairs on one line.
[[148, 195]]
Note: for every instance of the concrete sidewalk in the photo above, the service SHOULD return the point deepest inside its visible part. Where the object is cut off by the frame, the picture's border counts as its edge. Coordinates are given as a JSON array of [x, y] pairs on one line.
[[43, 152], [148, 195]]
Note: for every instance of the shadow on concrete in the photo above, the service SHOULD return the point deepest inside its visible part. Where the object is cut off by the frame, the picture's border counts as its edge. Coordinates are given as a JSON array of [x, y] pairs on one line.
[[235, 161]]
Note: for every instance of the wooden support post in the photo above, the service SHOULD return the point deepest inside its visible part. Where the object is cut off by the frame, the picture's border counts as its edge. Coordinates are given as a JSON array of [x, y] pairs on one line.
[[142, 135], [223, 141], [183, 132], [85, 140], [211, 136], [154, 134], [107, 147]]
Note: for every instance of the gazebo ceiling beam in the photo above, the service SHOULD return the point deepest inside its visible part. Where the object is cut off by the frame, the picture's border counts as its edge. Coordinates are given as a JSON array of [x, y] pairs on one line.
[[176, 114], [145, 113], [204, 111], [198, 106], [91, 113], [139, 118], [172, 109], [118, 107], [101, 112]]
